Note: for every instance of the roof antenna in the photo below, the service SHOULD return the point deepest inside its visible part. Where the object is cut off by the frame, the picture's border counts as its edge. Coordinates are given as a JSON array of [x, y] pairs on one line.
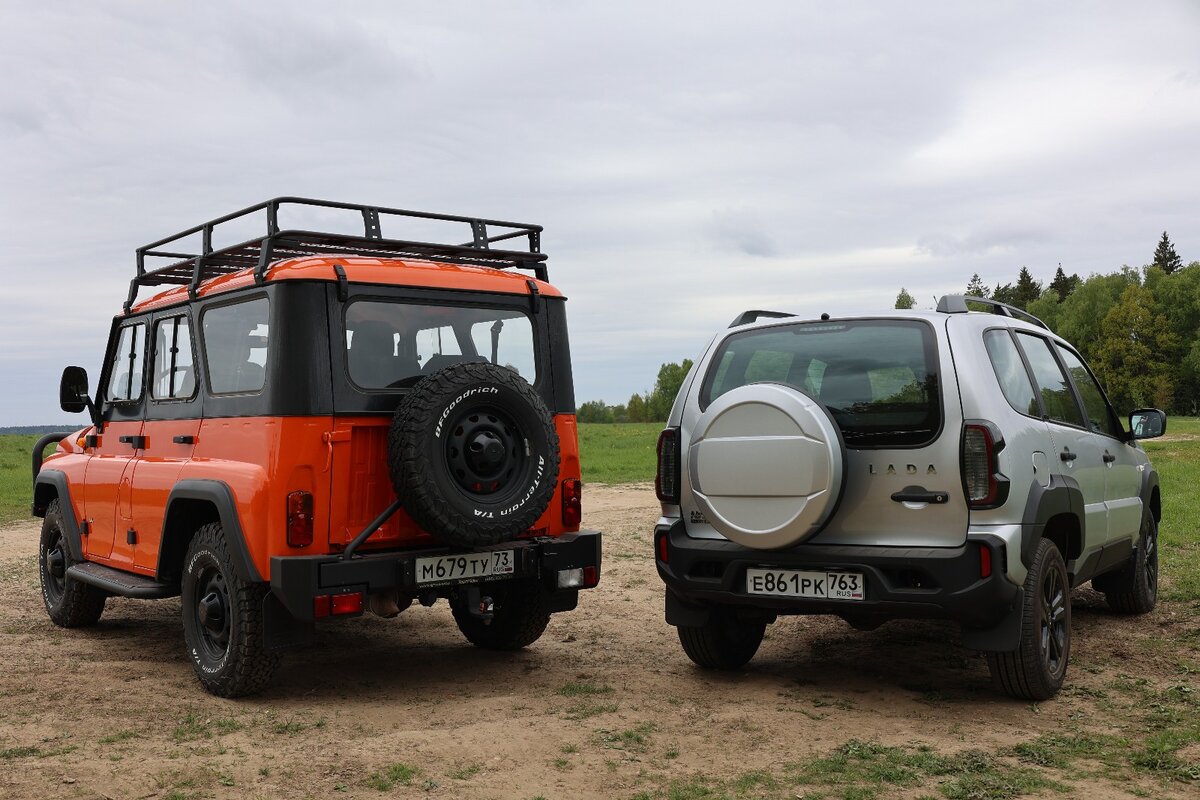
[[825, 316]]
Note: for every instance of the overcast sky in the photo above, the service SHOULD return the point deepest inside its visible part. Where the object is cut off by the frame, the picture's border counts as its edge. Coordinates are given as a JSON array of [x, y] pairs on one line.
[[688, 160]]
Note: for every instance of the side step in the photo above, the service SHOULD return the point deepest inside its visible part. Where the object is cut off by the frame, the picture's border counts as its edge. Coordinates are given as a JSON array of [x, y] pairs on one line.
[[124, 584]]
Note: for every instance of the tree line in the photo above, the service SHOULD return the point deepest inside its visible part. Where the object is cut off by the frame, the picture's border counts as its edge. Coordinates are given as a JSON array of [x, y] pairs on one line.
[[652, 406], [1139, 329]]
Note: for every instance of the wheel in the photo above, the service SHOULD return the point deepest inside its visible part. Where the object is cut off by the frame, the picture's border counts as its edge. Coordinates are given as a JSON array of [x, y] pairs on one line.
[[69, 603], [519, 616], [1035, 670], [1133, 589], [223, 619], [473, 454], [724, 643]]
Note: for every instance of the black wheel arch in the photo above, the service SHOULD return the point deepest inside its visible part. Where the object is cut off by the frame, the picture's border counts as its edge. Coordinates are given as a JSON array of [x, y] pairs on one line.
[[1054, 512], [193, 503], [52, 484]]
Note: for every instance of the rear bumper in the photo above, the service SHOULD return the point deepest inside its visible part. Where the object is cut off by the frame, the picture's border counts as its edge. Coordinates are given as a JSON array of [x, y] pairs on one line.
[[297, 580], [901, 582]]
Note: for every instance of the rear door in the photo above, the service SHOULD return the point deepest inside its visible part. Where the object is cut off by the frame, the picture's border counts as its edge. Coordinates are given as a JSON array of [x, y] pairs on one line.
[[881, 380], [1078, 452]]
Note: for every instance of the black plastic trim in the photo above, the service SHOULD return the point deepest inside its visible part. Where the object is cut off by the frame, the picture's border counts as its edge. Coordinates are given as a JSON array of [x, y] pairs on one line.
[[56, 481], [296, 580], [40, 445], [1062, 496], [122, 584], [221, 497]]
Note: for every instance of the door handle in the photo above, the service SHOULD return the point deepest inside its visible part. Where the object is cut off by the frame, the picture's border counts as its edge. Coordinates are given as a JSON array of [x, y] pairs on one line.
[[1066, 455], [184, 440], [136, 442], [918, 494], [1109, 457]]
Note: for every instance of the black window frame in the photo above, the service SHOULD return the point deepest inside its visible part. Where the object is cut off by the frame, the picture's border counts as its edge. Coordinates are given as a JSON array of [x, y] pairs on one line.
[[158, 320], [110, 362], [238, 299]]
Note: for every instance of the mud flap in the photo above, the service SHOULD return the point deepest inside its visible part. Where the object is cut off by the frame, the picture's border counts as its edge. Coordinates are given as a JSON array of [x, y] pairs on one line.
[[1004, 637], [683, 614], [281, 630]]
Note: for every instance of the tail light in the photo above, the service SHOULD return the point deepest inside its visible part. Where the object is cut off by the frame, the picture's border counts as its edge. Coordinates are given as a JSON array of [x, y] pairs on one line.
[[666, 481], [986, 487], [299, 519], [985, 561], [337, 605], [572, 503], [662, 549]]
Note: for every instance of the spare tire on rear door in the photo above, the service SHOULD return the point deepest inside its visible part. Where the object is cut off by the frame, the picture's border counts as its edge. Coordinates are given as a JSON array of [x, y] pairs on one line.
[[766, 465], [473, 454]]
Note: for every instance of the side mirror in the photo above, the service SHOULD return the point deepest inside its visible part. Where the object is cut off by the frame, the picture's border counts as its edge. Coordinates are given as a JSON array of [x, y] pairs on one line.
[[73, 390], [1147, 423]]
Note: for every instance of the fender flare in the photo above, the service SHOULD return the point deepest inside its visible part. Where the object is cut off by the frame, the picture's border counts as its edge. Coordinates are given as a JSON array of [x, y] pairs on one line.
[[1062, 496], [221, 497], [1149, 487], [52, 481]]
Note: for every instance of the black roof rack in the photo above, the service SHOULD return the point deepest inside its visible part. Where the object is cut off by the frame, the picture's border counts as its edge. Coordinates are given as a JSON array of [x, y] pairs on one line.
[[957, 304], [746, 317], [190, 269]]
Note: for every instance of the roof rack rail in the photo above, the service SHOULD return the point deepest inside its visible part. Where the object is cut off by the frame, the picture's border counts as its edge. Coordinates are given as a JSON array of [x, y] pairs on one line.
[[746, 317], [190, 269], [957, 304]]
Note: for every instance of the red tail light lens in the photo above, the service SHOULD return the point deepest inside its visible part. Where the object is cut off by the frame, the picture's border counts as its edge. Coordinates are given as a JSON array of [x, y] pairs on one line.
[[666, 481], [340, 604], [985, 486], [299, 519], [664, 552], [572, 503]]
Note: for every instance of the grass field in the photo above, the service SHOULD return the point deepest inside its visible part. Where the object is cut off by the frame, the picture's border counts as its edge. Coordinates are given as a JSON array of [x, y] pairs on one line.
[[618, 453], [16, 481]]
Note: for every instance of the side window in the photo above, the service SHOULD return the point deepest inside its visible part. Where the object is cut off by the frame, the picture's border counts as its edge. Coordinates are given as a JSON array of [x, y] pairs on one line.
[[174, 372], [235, 346], [1057, 397], [1010, 372], [125, 371], [1100, 419]]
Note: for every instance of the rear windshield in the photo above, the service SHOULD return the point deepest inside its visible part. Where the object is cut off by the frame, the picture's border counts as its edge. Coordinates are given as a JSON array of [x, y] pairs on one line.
[[878, 378], [391, 345]]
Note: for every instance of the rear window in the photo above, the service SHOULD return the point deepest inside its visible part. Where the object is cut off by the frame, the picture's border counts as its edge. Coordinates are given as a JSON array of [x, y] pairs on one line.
[[393, 344], [878, 378]]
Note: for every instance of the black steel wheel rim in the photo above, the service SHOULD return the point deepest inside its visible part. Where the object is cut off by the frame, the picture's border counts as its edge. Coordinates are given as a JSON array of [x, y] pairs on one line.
[[486, 453], [54, 568], [1054, 632], [211, 611]]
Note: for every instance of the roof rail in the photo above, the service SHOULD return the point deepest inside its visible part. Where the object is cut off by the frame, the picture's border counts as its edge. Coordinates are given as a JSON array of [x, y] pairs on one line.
[[957, 304], [190, 269], [746, 317]]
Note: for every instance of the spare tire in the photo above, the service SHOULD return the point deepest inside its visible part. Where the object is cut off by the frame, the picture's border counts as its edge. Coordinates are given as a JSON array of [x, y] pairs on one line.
[[766, 465], [473, 454]]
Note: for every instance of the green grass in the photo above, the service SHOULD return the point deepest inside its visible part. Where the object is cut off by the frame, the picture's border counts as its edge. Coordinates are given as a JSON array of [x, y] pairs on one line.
[[1178, 465], [618, 453], [16, 480], [386, 779]]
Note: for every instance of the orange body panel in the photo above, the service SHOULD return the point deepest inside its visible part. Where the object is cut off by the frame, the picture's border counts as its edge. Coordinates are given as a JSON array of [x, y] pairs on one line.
[[393, 272], [341, 461]]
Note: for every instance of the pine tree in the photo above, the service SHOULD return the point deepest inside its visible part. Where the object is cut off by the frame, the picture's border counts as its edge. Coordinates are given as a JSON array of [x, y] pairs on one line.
[[976, 287], [1027, 289], [1165, 255], [1062, 285], [904, 299]]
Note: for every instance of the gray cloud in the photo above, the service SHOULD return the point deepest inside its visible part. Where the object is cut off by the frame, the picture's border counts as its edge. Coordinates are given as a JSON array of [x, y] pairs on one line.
[[686, 166]]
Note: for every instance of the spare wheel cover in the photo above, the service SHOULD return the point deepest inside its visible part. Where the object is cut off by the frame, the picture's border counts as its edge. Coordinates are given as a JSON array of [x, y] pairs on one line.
[[766, 465]]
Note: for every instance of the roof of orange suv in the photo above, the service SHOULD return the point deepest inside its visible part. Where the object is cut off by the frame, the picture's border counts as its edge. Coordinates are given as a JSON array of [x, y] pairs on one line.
[[357, 269], [471, 260]]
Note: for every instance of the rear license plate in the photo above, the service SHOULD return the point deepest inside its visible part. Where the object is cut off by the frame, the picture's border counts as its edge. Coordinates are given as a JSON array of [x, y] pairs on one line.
[[465, 567], [815, 585]]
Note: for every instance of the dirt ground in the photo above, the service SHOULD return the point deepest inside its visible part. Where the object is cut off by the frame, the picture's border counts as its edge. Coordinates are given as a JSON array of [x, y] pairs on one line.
[[604, 705]]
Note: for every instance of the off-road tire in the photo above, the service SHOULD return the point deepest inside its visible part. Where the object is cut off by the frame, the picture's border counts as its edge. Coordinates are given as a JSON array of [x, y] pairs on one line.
[[229, 655], [725, 642], [69, 603], [473, 454], [1036, 669], [519, 616], [1133, 589]]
